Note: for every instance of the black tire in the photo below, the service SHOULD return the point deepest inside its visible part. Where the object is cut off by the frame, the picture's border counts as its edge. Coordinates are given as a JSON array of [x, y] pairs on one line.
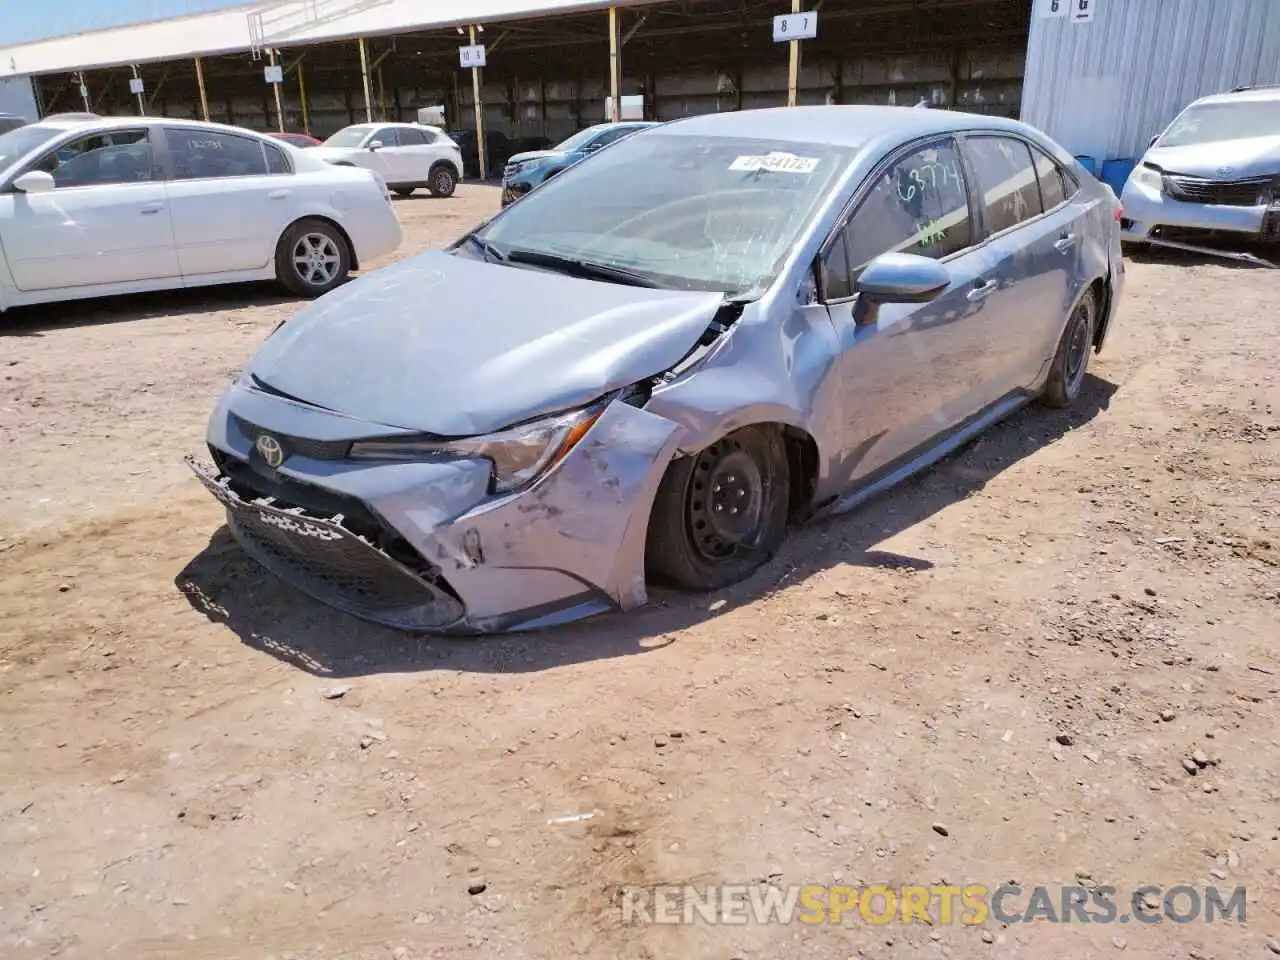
[[1071, 361], [442, 181], [403, 191], [312, 258], [692, 543]]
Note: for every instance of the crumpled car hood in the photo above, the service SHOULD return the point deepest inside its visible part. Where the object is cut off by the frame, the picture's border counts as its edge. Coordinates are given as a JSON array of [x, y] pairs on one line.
[[457, 347], [1243, 159]]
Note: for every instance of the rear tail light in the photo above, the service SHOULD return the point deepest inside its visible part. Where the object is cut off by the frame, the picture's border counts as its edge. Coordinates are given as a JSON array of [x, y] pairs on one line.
[[1118, 214]]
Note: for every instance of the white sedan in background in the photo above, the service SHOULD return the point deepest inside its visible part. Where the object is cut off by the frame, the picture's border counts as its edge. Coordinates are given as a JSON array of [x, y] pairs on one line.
[[92, 208], [406, 155]]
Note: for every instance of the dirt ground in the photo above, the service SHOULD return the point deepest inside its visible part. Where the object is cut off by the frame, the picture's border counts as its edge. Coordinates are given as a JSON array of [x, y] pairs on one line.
[[989, 649]]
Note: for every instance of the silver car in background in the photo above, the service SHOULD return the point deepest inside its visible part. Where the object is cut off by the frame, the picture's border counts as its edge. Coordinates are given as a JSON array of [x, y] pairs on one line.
[[1213, 175], [651, 365]]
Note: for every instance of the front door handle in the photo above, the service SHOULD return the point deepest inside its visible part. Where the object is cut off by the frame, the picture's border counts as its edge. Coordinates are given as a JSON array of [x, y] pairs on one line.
[[1065, 242], [277, 194], [981, 291], [152, 208]]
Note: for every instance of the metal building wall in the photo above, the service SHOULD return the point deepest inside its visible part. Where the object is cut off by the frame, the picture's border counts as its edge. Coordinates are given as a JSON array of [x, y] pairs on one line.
[[1103, 88]]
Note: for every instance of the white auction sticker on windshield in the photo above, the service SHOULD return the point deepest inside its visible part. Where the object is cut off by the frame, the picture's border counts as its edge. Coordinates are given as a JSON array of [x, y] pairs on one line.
[[776, 163]]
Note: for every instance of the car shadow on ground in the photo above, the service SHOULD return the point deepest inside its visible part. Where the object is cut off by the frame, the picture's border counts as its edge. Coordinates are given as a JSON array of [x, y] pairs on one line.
[[223, 584], [36, 321]]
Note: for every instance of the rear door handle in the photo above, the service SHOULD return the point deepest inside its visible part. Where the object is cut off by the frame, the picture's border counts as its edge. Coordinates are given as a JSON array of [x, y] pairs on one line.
[[153, 208], [277, 194], [1065, 242], [981, 291]]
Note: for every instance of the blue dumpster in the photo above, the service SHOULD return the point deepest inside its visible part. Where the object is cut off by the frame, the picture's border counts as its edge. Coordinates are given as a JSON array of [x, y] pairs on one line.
[[1116, 172], [1088, 163]]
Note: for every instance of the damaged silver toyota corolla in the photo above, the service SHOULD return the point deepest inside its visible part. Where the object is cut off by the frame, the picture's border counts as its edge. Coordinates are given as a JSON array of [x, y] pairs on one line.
[[646, 367]]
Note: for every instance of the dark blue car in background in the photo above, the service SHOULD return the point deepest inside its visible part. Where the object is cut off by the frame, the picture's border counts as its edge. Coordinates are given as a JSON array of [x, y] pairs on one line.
[[524, 171]]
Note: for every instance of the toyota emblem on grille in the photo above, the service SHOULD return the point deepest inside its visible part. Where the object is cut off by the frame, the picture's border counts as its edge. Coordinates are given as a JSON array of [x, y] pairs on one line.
[[1226, 171], [270, 449]]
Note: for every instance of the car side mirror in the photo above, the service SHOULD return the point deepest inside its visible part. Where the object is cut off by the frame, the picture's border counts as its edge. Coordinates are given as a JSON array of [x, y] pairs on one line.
[[898, 278], [1152, 142], [375, 144], [34, 181]]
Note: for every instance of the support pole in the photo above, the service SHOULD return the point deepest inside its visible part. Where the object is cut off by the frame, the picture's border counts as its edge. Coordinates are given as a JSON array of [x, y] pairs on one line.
[[142, 108], [204, 96], [275, 88], [615, 68], [302, 92], [84, 93], [364, 77], [793, 73], [475, 92]]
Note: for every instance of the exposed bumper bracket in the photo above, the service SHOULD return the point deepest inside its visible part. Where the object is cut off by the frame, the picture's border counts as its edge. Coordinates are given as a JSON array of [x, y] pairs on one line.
[[1213, 252]]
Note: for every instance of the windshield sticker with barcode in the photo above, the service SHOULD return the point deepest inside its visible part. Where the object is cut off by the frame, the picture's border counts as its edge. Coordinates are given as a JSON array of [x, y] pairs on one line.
[[776, 163]]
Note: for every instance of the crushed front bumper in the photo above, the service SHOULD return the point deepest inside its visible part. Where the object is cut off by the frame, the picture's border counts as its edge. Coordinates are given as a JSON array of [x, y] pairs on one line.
[[422, 546], [323, 558]]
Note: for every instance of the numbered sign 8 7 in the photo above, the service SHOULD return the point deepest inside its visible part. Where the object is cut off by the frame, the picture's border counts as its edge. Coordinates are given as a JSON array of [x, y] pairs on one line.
[[795, 26]]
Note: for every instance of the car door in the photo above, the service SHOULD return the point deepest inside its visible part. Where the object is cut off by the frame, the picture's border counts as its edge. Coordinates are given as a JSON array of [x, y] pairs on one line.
[[1034, 254], [107, 220], [395, 156], [904, 375], [414, 155], [231, 197], [387, 160]]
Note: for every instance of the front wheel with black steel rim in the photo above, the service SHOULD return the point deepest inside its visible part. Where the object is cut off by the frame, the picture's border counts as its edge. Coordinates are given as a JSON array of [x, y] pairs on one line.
[[442, 181], [721, 513], [312, 258], [1071, 362]]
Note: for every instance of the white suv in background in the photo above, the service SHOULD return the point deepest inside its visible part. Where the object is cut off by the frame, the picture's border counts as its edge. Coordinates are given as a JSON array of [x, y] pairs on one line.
[[405, 155]]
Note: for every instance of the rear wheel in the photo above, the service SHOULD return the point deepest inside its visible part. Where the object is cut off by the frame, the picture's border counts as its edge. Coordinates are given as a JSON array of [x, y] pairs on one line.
[[720, 514], [443, 181], [1071, 362], [312, 258]]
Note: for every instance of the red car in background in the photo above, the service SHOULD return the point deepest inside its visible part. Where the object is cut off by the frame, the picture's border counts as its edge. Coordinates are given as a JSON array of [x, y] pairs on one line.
[[297, 139]]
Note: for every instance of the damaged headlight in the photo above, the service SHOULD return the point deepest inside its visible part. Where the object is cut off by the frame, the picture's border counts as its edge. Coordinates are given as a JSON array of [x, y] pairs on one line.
[[1147, 177], [519, 455]]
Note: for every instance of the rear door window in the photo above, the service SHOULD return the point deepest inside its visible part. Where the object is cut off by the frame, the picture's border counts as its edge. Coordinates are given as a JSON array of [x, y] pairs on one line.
[[1006, 181], [412, 137], [212, 154]]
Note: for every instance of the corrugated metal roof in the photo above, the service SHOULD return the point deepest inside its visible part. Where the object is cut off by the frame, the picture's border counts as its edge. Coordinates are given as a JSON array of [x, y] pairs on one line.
[[227, 31], [1103, 88]]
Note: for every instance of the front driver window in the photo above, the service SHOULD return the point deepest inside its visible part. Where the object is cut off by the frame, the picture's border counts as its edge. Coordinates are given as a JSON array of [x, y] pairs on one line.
[[919, 205], [121, 156]]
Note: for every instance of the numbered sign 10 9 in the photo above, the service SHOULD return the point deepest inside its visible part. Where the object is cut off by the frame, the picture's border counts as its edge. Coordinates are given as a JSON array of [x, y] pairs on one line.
[[795, 26]]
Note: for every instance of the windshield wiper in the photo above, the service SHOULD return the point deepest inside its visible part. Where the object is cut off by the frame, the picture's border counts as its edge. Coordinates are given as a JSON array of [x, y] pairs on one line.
[[488, 249], [583, 268]]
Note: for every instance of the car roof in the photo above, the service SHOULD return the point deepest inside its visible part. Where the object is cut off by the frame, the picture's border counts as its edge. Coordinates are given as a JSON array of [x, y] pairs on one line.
[[845, 126], [1261, 93], [112, 123]]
